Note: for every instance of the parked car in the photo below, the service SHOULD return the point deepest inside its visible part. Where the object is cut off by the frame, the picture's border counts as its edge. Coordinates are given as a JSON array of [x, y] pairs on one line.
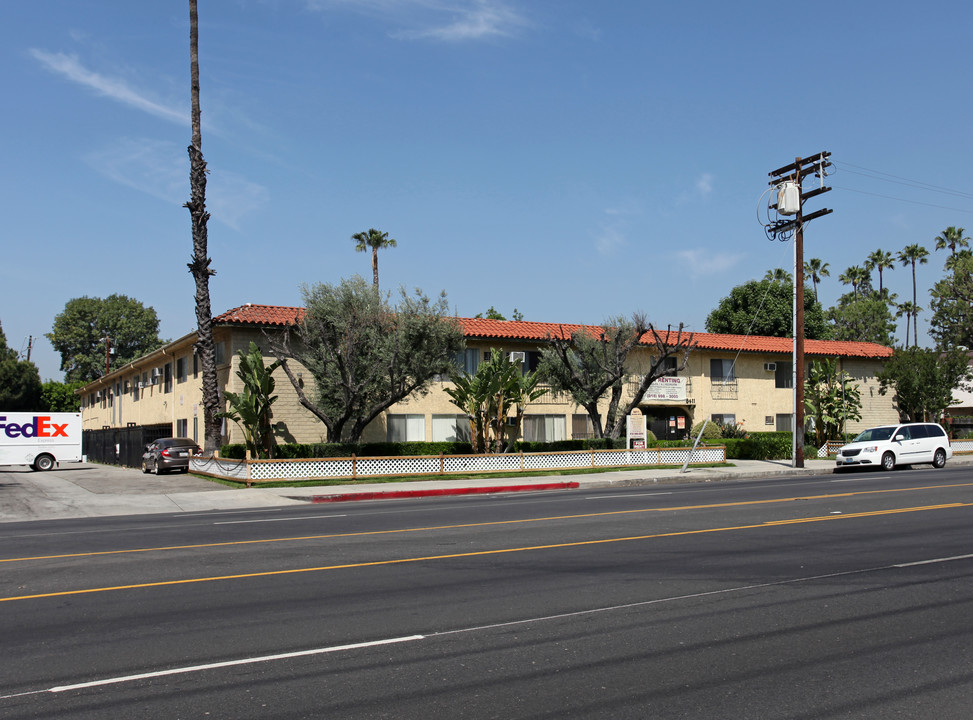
[[892, 445], [168, 454]]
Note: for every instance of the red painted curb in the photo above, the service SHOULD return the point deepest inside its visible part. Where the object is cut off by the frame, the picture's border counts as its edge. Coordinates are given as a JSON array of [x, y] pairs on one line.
[[397, 494]]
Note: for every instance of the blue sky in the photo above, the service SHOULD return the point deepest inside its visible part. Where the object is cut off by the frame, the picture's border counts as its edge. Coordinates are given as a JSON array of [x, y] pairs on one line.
[[571, 159]]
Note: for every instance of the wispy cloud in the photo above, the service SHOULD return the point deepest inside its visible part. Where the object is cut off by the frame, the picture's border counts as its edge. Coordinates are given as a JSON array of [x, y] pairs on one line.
[[161, 169], [71, 68], [444, 20], [704, 184], [609, 240], [706, 262]]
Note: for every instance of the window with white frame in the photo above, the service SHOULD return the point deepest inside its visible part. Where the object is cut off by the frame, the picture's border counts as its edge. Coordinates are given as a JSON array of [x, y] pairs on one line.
[[724, 419], [181, 372], [182, 427], [450, 428], [468, 360], [544, 428], [581, 427], [785, 422], [406, 428]]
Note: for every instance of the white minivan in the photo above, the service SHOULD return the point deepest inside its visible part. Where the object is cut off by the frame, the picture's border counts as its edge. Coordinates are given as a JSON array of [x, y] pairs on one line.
[[891, 445]]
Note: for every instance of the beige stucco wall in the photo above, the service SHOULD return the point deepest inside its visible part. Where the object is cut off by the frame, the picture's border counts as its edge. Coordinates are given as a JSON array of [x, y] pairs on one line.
[[753, 399]]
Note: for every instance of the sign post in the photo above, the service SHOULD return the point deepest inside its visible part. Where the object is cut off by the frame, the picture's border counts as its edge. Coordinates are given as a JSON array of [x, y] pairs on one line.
[[635, 431]]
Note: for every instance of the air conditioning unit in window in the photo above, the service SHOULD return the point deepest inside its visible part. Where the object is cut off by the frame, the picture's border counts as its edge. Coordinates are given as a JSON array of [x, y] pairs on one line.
[[770, 367], [98, 395], [156, 372], [517, 356], [141, 385], [155, 379]]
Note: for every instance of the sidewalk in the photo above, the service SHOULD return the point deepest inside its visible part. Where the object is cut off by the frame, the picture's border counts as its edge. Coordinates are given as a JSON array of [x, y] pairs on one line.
[[87, 490]]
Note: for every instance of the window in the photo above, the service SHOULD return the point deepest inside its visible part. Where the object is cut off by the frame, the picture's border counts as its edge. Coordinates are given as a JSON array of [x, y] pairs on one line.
[[669, 366], [182, 427], [450, 428], [722, 370], [581, 427], [135, 389], [531, 360], [724, 419], [784, 375], [181, 373], [167, 377], [785, 422], [195, 368], [468, 360], [544, 428], [220, 353], [406, 428]]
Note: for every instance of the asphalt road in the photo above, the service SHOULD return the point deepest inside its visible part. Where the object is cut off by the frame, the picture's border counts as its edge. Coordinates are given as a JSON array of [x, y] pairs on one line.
[[840, 596]]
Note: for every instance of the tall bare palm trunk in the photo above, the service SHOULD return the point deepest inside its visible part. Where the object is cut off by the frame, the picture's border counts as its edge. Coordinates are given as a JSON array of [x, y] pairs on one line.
[[200, 265]]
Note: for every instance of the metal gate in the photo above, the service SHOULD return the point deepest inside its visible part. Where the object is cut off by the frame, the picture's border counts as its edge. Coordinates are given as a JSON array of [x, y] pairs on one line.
[[122, 446]]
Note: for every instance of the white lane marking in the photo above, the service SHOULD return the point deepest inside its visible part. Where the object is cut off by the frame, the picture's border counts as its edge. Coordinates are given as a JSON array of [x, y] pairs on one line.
[[935, 561], [225, 512], [283, 519], [218, 665], [477, 628]]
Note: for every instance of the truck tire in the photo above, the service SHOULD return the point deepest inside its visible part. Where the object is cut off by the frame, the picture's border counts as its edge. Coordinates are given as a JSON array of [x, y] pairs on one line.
[[43, 462]]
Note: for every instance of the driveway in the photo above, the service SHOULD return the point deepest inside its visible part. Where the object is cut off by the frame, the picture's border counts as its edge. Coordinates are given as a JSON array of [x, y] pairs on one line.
[[90, 490]]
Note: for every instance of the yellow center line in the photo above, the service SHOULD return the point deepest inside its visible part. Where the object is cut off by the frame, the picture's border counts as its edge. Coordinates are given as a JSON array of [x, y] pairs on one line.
[[479, 553], [330, 536]]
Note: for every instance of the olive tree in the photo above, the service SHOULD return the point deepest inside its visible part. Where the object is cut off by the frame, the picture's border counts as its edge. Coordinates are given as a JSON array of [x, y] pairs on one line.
[[364, 353]]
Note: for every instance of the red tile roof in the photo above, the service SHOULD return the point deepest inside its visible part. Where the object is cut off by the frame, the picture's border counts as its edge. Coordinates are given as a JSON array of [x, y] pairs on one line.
[[275, 315]]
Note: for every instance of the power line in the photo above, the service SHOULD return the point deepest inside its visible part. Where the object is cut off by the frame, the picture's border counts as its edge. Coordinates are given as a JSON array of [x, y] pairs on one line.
[[905, 200]]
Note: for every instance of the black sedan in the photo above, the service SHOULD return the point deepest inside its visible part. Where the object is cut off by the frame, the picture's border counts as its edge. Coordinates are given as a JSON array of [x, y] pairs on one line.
[[168, 454]]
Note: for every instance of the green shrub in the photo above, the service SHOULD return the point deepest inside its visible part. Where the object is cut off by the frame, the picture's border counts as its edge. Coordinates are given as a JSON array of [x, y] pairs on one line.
[[770, 445], [713, 431]]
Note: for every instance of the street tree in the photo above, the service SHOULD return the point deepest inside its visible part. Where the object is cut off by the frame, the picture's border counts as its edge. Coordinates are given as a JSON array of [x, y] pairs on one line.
[[831, 399], [814, 270], [373, 240], [365, 354], [909, 310], [593, 362], [20, 382], [863, 319], [199, 267], [93, 335], [952, 237], [778, 275], [761, 307], [951, 303], [251, 409], [910, 256], [60, 396], [880, 260], [922, 381]]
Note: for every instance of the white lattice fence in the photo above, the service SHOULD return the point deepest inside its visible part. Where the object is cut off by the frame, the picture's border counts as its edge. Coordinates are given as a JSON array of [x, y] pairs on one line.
[[250, 471], [220, 467], [962, 446]]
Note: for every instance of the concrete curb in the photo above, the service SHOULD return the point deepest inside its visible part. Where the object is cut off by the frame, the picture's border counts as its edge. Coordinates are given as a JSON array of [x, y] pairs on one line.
[[437, 492]]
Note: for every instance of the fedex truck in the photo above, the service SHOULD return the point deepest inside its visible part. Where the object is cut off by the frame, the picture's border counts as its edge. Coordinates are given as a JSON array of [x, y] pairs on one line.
[[39, 439]]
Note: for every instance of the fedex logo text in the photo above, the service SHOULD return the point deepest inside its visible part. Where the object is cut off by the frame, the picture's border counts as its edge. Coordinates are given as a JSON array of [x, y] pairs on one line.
[[40, 426]]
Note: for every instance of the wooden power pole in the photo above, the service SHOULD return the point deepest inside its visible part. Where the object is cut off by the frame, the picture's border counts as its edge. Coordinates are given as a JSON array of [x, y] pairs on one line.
[[790, 201]]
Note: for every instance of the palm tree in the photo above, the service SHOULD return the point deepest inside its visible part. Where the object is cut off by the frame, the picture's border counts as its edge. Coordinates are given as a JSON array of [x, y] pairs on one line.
[[911, 255], [200, 265], [778, 275], [815, 269], [906, 309], [952, 238], [880, 260], [854, 276], [375, 240]]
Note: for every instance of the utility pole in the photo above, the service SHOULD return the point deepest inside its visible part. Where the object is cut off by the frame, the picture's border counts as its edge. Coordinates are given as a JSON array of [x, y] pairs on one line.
[[107, 358], [788, 181], [30, 345]]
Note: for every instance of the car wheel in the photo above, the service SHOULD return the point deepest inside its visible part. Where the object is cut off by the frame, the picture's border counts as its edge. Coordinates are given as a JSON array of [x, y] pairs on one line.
[[939, 459], [888, 461], [43, 462], [155, 468], [145, 468]]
